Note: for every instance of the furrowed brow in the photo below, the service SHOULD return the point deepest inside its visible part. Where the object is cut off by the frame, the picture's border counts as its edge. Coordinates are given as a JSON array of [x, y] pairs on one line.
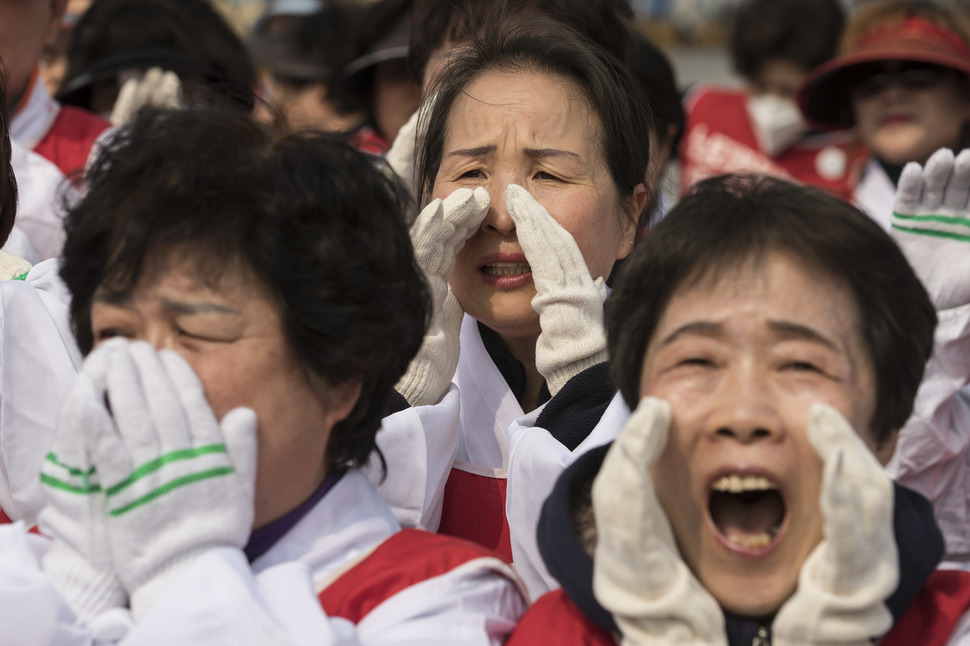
[[539, 153], [481, 151]]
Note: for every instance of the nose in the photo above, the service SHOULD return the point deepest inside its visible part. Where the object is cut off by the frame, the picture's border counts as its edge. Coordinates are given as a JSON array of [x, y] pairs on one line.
[[498, 220], [744, 410], [159, 336]]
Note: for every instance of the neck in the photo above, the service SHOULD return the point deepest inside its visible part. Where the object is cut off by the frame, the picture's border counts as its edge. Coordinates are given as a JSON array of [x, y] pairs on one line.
[[524, 351]]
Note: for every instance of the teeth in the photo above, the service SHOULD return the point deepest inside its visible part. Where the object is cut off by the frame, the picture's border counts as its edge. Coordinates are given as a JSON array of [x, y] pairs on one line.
[[751, 540], [740, 484], [507, 268]]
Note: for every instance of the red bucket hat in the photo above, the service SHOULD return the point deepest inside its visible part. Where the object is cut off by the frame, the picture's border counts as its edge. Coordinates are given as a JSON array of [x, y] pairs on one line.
[[823, 95]]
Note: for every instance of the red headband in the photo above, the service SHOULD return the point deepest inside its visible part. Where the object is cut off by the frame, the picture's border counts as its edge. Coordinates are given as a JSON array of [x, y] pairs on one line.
[[915, 29]]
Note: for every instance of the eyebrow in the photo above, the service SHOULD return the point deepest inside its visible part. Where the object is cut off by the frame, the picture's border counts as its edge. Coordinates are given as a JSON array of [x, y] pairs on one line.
[[784, 329], [196, 308], [535, 153], [790, 330], [481, 151], [539, 153], [701, 328]]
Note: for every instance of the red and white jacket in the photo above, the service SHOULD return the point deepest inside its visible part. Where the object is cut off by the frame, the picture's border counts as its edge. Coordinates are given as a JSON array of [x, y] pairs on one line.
[[344, 574], [62, 136], [719, 138]]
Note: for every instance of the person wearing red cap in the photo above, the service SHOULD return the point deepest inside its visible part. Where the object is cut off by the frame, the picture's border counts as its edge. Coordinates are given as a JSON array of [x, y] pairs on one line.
[[903, 80], [758, 127]]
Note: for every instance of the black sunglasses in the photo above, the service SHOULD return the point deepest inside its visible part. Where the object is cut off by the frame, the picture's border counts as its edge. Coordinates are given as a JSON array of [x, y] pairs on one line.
[[869, 82]]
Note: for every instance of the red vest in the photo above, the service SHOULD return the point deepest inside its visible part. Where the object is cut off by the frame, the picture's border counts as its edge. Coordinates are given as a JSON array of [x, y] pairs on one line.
[[929, 620], [554, 619], [474, 509], [719, 138], [4, 518], [405, 559], [69, 141]]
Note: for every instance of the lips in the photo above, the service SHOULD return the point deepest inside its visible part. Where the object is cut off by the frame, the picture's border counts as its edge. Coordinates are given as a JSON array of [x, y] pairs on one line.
[[505, 271], [896, 119], [747, 510]]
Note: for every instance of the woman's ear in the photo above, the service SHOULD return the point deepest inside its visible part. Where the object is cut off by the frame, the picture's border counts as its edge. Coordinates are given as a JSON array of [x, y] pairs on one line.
[[632, 208]]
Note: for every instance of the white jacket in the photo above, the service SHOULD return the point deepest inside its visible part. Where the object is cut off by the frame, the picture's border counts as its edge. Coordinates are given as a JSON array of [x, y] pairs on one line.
[[222, 599], [38, 362]]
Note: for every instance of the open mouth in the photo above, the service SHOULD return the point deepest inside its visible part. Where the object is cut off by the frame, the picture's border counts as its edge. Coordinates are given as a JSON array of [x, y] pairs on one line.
[[502, 269], [748, 511]]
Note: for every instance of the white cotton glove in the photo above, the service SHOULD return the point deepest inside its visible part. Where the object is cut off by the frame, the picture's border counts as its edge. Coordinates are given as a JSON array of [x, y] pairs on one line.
[[569, 302], [78, 563], [931, 223], [846, 579], [400, 157], [437, 236], [638, 574], [155, 87], [177, 482]]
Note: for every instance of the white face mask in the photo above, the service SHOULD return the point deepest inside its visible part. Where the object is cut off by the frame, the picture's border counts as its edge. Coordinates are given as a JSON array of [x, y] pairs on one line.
[[777, 122]]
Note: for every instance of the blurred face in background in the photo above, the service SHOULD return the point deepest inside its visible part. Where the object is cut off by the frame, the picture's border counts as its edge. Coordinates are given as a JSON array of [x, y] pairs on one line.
[[906, 111], [26, 27]]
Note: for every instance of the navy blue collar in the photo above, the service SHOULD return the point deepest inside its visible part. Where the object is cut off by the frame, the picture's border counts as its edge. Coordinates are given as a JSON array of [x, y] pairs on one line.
[[265, 537]]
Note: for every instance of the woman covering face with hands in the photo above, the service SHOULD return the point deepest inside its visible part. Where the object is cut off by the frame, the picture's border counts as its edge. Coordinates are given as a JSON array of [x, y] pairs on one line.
[[533, 163], [204, 483]]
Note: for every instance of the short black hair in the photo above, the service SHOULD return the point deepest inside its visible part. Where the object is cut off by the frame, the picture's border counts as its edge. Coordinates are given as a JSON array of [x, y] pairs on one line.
[[728, 221], [548, 47], [653, 69], [317, 224], [605, 22], [805, 32], [327, 40], [188, 37], [8, 183]]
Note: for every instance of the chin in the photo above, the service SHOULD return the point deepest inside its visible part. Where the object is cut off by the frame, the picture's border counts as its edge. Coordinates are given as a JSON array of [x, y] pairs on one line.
[[751, 596], [900, 152]]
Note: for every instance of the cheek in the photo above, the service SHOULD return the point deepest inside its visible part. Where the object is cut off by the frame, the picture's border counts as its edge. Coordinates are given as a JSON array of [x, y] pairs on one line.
[[227, 381], [593, 222]]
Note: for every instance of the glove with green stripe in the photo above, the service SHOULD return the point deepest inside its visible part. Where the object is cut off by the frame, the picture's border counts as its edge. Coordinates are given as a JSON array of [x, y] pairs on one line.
[[176, 481], [78, 563], [931, 224]]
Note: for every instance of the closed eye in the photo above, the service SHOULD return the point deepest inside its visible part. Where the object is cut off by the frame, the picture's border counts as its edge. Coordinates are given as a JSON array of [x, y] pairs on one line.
[[696, 361], [546, 176], [801, 366], [110, 333]]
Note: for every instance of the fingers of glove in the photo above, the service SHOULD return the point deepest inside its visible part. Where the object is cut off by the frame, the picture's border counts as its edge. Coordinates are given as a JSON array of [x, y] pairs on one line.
[[132, 440], [958, 188], [239, 432], [443, 226], [202, 426], [400, 158], [625, 471], [909, 190], [125, 104], [69, 464], [539, 234], [936, 174], [168, 429], [856, 497], [465, 212], [167, 90]]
